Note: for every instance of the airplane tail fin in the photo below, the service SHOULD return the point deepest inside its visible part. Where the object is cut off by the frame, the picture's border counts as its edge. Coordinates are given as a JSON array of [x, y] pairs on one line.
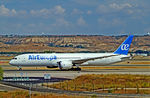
[[124, 47]]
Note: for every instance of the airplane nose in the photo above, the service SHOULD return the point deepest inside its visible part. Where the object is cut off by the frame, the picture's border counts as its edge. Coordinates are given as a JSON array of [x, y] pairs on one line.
[[11, 62]]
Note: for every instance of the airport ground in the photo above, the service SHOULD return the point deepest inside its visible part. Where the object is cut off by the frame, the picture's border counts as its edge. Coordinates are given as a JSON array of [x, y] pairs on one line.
[[73, 74], [138, 66]]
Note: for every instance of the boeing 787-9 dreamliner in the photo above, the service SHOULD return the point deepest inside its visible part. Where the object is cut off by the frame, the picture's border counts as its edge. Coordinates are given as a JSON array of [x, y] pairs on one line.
[[69, 60]]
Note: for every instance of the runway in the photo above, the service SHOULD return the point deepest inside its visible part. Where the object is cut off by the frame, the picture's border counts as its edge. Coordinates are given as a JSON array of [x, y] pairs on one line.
[[73, 74]]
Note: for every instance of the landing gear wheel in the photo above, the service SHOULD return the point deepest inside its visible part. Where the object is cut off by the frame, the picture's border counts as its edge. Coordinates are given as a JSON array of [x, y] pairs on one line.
[[78, 69], [20, 68], [75, 69]]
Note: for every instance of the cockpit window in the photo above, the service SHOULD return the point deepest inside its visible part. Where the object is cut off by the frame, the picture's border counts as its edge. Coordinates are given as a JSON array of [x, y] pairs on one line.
[[15, 58]]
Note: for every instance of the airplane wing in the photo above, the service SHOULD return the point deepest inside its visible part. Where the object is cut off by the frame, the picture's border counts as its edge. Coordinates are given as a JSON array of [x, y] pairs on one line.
[[84, 60]]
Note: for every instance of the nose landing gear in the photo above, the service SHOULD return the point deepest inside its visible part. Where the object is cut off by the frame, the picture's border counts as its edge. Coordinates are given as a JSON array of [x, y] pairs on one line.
[[20, 68]]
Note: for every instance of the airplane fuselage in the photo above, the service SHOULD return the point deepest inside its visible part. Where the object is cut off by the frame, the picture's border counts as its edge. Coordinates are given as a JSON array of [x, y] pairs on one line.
[[44, 59], [68, 60]]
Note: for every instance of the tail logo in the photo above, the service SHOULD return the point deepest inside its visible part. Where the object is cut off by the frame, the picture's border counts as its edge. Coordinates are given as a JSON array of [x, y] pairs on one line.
[[125, 47]]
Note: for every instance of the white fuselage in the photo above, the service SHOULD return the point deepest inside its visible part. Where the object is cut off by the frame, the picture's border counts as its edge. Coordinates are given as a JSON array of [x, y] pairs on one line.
[[51, 59]]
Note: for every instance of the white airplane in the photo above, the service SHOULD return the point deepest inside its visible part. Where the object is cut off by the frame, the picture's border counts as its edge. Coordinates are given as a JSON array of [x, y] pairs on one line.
[[68, 60]]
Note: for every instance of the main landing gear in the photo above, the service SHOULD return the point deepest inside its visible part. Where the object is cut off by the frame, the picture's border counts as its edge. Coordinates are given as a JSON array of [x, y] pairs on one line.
[[75, 69]]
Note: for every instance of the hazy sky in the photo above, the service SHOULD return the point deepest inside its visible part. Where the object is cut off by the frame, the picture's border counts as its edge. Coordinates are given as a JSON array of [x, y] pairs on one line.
[[94, 17]]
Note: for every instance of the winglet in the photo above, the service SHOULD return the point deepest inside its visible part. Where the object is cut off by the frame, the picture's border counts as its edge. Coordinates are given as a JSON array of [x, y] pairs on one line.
[[124, 47]]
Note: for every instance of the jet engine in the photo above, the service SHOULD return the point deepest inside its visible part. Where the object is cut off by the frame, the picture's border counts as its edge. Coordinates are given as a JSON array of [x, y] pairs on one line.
[[65, 64]]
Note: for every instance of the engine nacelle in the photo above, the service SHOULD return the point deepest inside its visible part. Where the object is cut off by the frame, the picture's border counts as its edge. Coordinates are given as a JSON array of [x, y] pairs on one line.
[[65, 64]]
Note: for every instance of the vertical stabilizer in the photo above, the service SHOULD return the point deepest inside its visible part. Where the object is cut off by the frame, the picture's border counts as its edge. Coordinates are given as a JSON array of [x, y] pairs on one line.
[[124, 47]]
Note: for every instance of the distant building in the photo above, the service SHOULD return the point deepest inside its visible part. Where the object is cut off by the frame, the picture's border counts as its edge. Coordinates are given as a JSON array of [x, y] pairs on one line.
[[142, 53], [148, 33]]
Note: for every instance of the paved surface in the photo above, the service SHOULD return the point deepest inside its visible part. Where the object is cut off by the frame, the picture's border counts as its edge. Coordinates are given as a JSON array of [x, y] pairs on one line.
[[73, 74], [32, 80], [8, 88]]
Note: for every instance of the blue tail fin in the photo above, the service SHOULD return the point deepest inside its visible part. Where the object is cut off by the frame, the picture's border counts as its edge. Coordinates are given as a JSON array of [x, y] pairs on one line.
[[124, 47]]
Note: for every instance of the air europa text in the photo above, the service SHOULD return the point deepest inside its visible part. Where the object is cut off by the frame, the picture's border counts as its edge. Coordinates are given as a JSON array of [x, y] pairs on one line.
[[39, 57]]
